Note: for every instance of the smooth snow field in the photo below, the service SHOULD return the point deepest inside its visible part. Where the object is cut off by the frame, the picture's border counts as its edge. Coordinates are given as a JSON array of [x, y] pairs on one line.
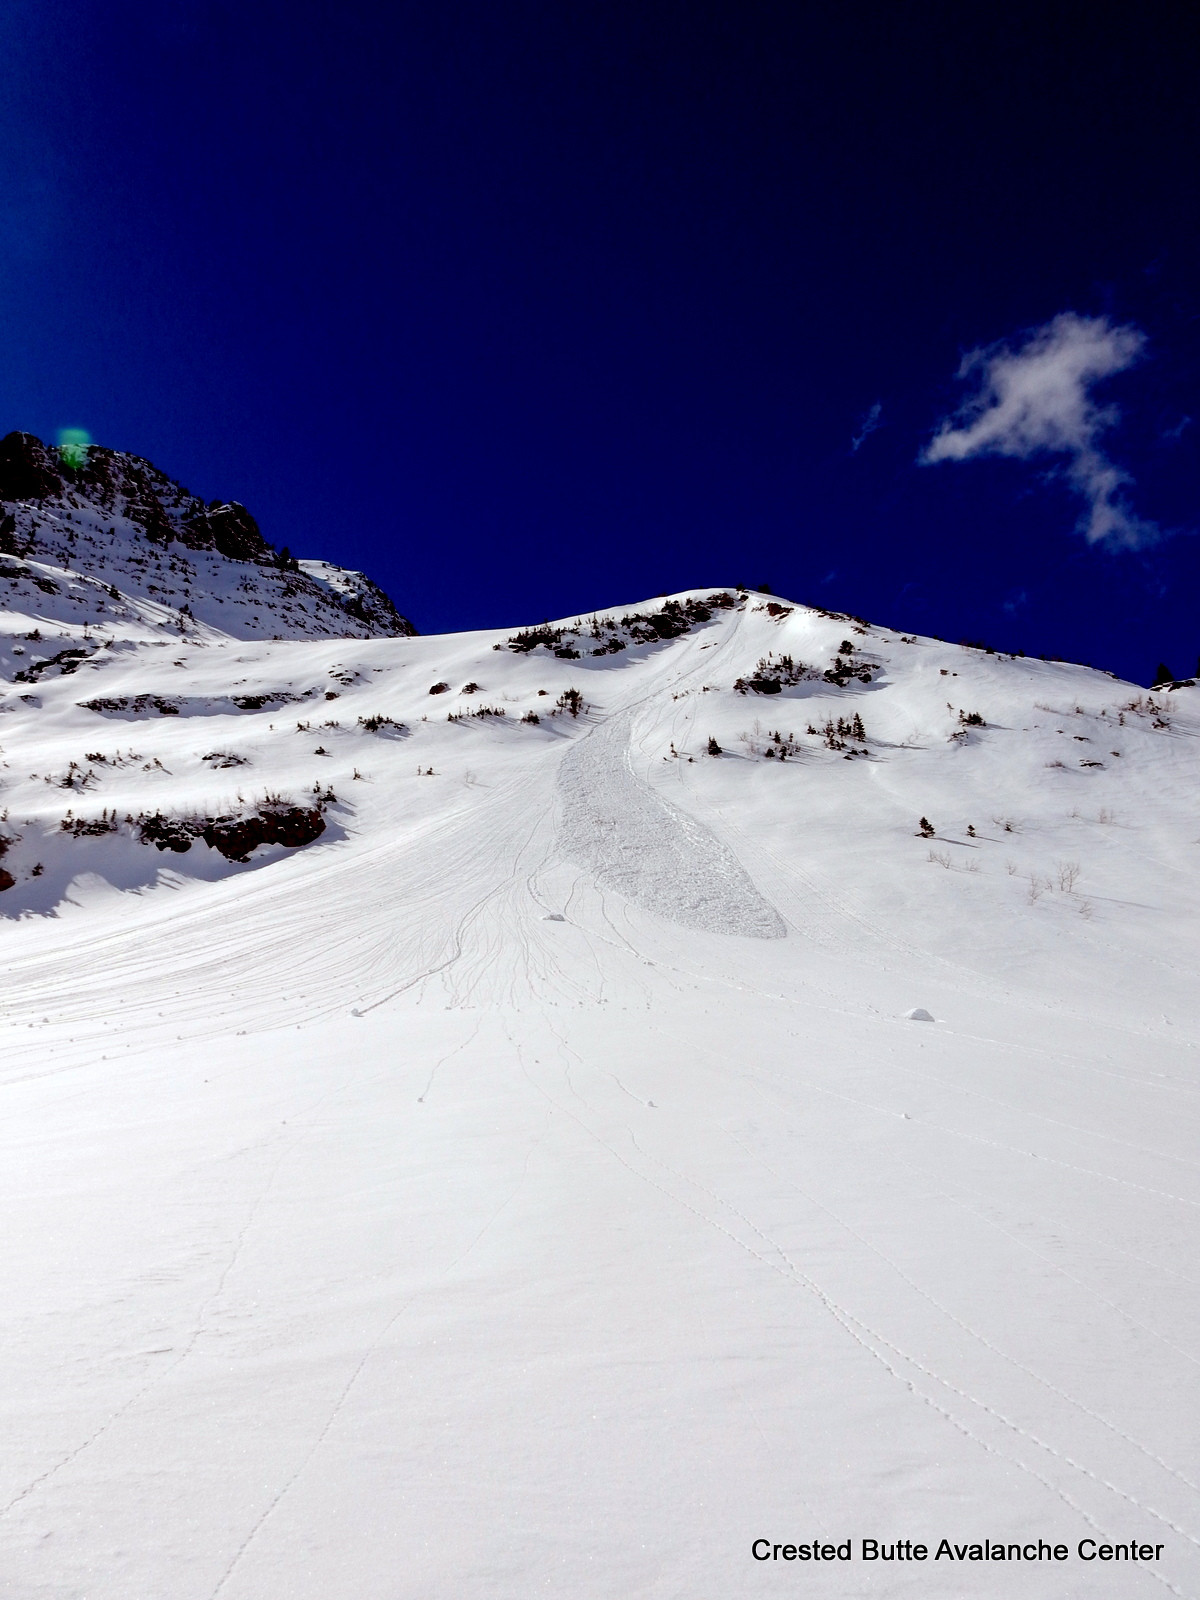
[[534, 1186]]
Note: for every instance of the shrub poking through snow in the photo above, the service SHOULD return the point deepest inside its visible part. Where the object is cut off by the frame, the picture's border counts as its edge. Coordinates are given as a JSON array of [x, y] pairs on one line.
[[67, 661], [714, 749], [675, 618], [971, 719], [531, 716], [772, 674], [483, 711], [379, 723], [89, 827], [438, 688], [570, 700], [842, 671], [925, 828], [835, 734], [529, 638]]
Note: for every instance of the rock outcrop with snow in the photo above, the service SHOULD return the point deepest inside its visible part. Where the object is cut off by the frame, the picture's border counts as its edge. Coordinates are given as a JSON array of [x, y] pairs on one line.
[[104, 541]]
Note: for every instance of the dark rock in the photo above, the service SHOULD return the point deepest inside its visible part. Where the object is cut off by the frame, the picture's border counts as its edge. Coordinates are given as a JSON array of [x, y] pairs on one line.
[[292, 826], [231, 531], [11, 541], [168, 833], [28, 471]]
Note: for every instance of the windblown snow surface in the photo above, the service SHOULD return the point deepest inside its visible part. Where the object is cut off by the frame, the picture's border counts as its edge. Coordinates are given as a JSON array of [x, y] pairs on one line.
[[535, 1185]]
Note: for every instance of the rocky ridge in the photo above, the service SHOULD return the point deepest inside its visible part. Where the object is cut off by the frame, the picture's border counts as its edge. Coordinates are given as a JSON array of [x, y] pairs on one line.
[[101, 541]]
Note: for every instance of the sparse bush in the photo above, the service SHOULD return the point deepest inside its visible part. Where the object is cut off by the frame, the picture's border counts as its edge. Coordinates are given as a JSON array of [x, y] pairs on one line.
[[379, 723], [926, 828], [531, 716], [1068, 875], [570, 700], [773, 674], [714, 749], [529, 639], [89, 827]]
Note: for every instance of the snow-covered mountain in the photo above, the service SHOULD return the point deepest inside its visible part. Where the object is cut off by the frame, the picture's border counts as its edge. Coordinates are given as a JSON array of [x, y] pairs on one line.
[[101, 544], [470, 1128]]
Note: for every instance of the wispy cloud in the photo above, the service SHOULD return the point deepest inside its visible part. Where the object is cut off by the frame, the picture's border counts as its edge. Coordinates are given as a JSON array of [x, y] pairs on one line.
[[868, 425], [1036, 400]]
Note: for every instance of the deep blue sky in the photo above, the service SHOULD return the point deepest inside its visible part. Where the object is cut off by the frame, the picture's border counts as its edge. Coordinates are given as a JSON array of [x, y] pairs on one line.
[[532, 307]]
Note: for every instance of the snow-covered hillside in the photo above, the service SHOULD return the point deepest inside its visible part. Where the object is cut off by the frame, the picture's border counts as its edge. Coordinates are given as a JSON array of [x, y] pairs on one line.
[[465, 1135], [103, 545]]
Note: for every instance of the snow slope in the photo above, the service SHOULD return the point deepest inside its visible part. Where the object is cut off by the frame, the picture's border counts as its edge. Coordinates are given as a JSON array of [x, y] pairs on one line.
[[534, 1185]]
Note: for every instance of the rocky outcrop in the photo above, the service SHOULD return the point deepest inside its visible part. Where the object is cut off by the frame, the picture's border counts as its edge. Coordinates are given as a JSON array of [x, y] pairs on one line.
[[235, 837], [117, 517], [28, 471], [292, 826]]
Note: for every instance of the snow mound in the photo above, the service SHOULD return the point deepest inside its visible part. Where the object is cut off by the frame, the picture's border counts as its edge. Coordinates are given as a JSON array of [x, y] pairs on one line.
[[636, 842], [918, 1014]]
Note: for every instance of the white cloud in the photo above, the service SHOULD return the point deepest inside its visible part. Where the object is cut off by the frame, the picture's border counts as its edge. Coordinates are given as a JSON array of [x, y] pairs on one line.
[[1036, 400], [869, 424]]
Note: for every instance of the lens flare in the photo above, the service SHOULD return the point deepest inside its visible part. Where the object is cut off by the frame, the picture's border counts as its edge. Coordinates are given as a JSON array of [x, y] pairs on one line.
[[73, 446]]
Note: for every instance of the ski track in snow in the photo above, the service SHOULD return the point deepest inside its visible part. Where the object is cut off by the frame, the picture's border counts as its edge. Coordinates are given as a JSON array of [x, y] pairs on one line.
[[536, 1185]]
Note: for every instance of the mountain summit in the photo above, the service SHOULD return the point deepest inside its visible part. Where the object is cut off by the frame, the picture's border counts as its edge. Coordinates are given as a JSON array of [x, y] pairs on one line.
[[104, 540]]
